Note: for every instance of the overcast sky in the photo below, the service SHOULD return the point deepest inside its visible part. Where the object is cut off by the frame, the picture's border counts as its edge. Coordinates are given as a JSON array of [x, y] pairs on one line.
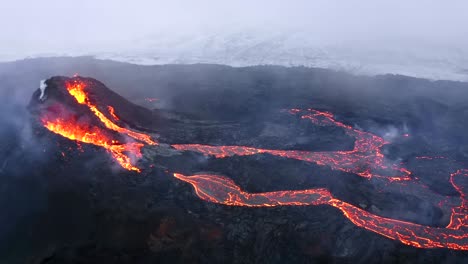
[[47, 25]]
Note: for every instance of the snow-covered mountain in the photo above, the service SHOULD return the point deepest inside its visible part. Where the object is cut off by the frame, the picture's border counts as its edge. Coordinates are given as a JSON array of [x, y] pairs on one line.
[[246, 48], [299, 49]]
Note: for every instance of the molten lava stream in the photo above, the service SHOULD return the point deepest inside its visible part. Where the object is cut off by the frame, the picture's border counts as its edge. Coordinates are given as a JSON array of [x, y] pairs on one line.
[[365, 160], [76, 88], [222, 190], [93, 135]]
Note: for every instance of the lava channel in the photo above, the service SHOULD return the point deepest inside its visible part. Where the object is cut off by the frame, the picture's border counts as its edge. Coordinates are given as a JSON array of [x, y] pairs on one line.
[[365, 160], [222, 190], [76, 88]]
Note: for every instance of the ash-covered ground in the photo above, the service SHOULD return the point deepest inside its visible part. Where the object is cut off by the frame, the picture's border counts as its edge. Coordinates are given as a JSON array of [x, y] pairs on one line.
[[71, 203]]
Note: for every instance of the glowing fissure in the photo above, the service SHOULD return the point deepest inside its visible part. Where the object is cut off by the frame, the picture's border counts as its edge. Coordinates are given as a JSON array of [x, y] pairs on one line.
[[74, 130]]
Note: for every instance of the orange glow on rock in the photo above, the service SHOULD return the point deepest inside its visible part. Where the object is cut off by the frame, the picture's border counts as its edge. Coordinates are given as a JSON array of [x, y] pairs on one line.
[[112, 113]]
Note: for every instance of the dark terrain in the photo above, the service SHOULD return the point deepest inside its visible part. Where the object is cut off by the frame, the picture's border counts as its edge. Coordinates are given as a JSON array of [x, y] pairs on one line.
[[69, 204]]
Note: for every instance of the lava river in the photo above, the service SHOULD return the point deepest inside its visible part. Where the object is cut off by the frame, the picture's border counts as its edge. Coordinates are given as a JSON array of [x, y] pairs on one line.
[[222, 190], [365, 160]]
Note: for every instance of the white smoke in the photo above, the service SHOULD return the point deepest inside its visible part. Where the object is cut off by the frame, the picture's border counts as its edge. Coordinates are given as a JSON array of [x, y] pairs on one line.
[[42, 86]]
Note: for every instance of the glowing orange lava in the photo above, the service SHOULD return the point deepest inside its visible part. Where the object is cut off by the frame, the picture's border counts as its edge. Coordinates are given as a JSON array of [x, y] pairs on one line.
[[365, 160], [93, 135], [72, 129], [76, 88], [222, 190]]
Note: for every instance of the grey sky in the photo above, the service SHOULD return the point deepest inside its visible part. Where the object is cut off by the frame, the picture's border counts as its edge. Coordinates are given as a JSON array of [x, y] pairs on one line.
[[48, 25]]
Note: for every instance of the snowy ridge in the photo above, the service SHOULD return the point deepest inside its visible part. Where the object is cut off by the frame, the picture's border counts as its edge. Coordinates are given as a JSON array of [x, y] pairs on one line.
[[298, 49], [249, 48]]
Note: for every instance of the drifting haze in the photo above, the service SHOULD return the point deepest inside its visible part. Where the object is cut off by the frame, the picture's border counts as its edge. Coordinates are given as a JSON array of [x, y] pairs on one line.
[[63, 26], [418, 38]]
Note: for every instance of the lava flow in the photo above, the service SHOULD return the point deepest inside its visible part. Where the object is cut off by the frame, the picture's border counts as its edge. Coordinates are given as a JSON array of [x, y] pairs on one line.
[[76, 88], [222, 190], [93, 135], [69, 127], [365, 160]]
